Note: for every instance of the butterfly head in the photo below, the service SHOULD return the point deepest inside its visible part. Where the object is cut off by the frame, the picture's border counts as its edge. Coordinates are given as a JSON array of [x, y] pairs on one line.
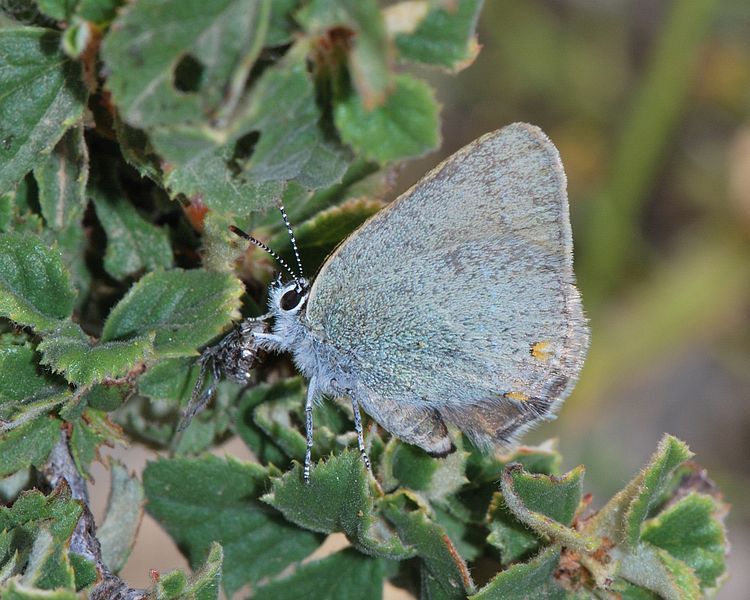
[[285, 300]]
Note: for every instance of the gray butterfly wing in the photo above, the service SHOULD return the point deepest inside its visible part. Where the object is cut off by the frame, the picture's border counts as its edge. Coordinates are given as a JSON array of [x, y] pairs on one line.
[[459, 298]]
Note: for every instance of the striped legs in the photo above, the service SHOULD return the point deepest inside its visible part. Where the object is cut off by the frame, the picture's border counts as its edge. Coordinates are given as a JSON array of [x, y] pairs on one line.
[[312, 390], [358, 429]]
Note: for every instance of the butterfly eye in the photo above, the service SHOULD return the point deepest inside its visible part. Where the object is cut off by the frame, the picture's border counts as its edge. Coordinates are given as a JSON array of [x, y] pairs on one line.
[[291, 299]]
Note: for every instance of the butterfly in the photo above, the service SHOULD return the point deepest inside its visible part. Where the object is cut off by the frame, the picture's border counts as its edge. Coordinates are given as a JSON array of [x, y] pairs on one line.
[[454, 305]]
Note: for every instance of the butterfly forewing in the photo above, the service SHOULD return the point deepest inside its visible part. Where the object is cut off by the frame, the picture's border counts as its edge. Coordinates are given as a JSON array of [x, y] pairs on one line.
[[461, 292]]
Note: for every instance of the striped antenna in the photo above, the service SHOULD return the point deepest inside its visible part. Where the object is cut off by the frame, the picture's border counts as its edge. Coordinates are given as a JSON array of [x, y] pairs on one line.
[[262, 246], [294, 241]]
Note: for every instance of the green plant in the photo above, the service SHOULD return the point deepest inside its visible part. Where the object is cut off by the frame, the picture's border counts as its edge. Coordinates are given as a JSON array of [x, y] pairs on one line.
[[130, 139]]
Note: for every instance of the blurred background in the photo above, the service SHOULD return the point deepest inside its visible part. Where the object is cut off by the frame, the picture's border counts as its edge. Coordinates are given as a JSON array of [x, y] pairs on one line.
[[649, 104]]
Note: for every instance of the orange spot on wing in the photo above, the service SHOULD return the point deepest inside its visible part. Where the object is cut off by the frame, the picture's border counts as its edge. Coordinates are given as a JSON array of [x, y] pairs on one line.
[[542, 351], [517, 396]]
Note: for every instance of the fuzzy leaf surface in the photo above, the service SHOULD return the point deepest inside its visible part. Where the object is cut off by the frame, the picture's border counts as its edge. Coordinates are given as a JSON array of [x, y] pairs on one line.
[[204, 585], [174, 63], [533, 579], [62, 181], [283, 142], [84, 363], [345, 575], [121, 518], [199, 501], [338, 499], [444, 37], [622, 516], [24, 392], [431, 542], [404, 126], [690, 531], [35, 288], [133, 243], [185, 310], [28, 444], [43, 95]]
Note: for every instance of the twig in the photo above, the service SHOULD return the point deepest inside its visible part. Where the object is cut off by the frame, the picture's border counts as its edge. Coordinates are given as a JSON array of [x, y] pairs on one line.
[[60, 468]]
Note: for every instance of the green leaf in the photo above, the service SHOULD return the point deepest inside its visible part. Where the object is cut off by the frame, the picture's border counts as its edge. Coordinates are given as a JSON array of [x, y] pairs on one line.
[[469, 539], [98, 11], [362, 180], [35, 288], [107, 397], [121, 518], [84, 363], [550, 496], [199, 501], [263, 447], [274, 417], [547, 504], [58, 510], [89, 432], [213, 181], [204, 585], [19, 591], [171, 379], [73, 244], [669, 455], [444, 37], [62, 181], [42, 97], [286, 142], [690, 531], [19, 378], [337, 499], [133, 243], [483, 467], [405, 126], [138, 151], [534, 579], [345, 575], [656, 570], [628, 591], [194, 78], [43, 401], [621, 518], [48, 565], [6, 210], [281, 26], [369, 53], [411, 467], [29, 444], [39, 529], [514, 539], [60, 10], [534, 507], [185, 309], [431, 542], [85, 570]]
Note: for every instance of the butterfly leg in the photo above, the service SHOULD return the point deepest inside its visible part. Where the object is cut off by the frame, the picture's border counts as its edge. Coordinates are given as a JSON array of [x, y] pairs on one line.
[[268, 341], [312, 390], [358, 429], [199, 401]]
